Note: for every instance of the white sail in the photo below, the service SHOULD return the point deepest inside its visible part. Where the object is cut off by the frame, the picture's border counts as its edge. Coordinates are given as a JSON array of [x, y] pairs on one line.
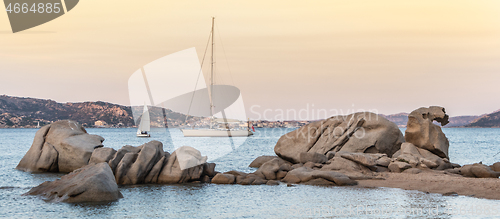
[[144, 126]]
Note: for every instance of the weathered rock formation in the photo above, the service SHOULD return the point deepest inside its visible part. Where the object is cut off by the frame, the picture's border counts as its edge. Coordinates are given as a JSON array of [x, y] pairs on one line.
[[423, 133], [478, 171], [422, 158], [148, 163], [304, 174], [496, 167], [91, 183], [65, 146], [261, 160], [276, 169], [62, 146], [356, 133], [222, 178]]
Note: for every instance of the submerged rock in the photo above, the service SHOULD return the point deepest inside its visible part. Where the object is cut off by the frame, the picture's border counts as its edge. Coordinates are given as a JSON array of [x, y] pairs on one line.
[[62, 146], [423, 133], [92, 183], [343, 165], [102, 155], [367, 160], [355, 133], [418, 157]]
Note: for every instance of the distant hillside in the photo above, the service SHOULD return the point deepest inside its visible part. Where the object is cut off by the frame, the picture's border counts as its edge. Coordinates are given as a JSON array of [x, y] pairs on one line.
[[16, 112], [401, 119], [459, 121], [491, 120]]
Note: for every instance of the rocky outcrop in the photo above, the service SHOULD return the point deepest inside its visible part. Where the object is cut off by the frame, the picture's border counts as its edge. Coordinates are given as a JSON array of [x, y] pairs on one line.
[[179, 167], [62, 146], [478, 171], [222, 178], [357, 133], [304, 174], [92, 183], [423, 133], [148, 163], [261, 160], [305, 157], [136, 165]]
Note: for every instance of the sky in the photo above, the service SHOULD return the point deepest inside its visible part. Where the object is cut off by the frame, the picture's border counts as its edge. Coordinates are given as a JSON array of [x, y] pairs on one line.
[[385, 56]]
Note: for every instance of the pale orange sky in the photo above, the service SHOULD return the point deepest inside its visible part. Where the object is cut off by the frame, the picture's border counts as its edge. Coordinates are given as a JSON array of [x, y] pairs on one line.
[[389, 55]]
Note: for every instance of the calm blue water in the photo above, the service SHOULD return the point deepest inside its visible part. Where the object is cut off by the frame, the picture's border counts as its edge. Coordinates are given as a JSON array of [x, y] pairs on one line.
[[236, 201]]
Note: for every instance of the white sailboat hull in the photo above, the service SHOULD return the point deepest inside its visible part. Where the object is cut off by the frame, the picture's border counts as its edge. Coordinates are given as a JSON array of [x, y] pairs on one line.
[[144, 135], [215, 133]]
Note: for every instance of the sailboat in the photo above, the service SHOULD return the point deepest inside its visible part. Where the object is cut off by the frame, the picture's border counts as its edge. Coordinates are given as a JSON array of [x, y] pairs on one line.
[[144, 126], [223, 128]]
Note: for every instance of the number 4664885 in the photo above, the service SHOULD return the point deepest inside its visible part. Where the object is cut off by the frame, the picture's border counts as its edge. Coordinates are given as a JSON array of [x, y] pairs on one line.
[[34, 8]]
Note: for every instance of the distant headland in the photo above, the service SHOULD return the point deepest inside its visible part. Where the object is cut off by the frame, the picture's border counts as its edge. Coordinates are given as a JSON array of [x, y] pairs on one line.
[[25, 112]]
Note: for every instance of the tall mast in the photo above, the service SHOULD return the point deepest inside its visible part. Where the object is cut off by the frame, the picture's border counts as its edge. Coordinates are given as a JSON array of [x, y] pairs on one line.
[[212, 75]]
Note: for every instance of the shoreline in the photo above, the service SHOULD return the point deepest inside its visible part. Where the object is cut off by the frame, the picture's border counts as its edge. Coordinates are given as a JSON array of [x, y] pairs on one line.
[[439, 182]]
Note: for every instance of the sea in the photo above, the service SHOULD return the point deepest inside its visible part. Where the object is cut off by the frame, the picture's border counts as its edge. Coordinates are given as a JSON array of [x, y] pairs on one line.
[[196, 200]]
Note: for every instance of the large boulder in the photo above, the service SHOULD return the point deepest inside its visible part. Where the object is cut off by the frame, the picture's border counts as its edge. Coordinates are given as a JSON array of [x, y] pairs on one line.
[[62, 146], [135, 166], [362, 132], [102, 155], [269, 169], [184, 165], [423, 133], [91, 183], [340, 164]]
